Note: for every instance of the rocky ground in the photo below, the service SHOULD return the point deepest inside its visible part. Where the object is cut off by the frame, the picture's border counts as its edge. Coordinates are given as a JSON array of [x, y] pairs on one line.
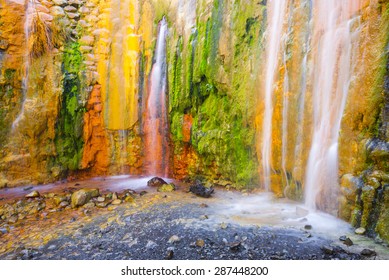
[[152, 224]]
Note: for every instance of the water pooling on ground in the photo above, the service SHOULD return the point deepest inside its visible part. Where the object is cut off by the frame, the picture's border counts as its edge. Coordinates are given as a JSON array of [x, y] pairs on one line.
[[226, 211]]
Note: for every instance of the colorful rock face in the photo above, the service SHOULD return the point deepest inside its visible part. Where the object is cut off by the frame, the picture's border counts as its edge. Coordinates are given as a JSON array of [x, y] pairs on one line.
[[287, 95]]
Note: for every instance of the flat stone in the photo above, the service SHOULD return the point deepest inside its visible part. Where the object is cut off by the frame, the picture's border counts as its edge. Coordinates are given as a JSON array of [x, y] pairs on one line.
[[73, 15], [101, 199], [101, 204], [33, 194], [63, 204], [116, 202], [360, 231], [70, 9]]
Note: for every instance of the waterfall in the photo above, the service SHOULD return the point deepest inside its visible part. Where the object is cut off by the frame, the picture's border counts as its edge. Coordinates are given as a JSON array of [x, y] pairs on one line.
[[276, 14], [155, 119], [333, 40], [307, 104], [27, 25]]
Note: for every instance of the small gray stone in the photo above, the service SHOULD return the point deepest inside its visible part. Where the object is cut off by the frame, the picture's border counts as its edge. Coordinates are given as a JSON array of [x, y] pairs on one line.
[[151, 244], [327, 250], [348, 242], [174, 239], [368, 253]]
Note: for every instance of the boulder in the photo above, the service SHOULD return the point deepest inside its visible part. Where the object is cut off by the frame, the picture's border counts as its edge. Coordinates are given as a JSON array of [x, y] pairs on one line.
[[83, 196], [156, 182], [199, 190]]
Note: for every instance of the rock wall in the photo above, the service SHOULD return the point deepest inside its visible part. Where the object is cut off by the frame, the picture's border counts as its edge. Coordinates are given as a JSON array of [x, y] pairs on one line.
[[79, 112]]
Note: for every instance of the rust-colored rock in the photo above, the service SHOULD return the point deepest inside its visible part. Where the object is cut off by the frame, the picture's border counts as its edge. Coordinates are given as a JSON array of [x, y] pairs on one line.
[[95, 155]]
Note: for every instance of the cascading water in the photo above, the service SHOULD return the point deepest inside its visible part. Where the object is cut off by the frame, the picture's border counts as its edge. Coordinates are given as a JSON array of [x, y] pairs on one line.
[[329, 38], [276, 14], [27, 26], [155, 120], [334, 37]]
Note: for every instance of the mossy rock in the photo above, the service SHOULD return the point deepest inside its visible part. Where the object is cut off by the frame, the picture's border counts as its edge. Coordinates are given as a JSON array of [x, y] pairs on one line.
[[167, 188]]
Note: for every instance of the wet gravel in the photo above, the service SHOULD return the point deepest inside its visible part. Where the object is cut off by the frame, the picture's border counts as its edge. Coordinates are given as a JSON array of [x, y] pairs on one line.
[[145, 234]]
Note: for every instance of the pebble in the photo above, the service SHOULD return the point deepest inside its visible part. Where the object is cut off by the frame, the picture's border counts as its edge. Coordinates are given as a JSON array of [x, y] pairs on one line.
[[308, 227], [101, 199], [151, 244], [203, 217], [223, 225], [368, 253], [360, 231], [234, 246], [348, 242], [343, 238], [174, 239], [169, 255], [200, 243]]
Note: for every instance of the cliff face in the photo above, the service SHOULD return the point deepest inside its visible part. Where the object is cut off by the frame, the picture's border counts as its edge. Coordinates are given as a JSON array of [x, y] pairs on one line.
[[75, 77]]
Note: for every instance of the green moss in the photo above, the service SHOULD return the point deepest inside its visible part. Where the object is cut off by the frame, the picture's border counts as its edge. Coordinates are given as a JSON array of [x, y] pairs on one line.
[[69, 126], [7, 91], [223, 132], [382, 227], [367, 198]]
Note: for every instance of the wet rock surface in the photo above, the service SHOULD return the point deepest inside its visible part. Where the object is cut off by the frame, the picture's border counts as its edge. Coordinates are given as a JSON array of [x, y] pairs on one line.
[[200, 190], [159, 226], [156, 182]]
